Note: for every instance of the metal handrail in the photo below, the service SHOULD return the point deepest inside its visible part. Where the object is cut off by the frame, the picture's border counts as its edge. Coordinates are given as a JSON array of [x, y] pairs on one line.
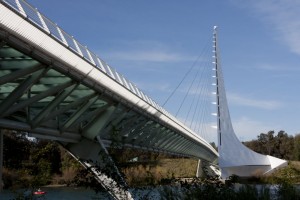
[[32, 15], [45, 24]]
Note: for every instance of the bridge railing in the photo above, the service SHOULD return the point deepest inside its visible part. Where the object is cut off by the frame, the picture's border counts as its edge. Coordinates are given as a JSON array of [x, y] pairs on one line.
[[43, 23]]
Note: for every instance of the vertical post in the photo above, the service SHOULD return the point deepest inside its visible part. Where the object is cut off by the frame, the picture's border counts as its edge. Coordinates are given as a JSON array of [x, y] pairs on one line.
[[215, 49], [199, 172], [1, 159]]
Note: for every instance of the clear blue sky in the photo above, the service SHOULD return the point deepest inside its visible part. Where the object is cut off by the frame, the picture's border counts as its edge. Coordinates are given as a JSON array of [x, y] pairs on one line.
[[154, 42]]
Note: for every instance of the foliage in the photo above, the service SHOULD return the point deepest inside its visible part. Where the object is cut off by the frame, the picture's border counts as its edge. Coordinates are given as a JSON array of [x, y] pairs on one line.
[[31, 163], [296, 152], [47, 151], [287, 191], [16, 149], [212, 188], [282, 145], [289, 174]]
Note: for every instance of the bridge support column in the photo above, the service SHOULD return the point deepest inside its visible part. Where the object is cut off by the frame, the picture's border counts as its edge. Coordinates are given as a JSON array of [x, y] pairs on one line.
[[199, 171], [94, 156], [1, 159]]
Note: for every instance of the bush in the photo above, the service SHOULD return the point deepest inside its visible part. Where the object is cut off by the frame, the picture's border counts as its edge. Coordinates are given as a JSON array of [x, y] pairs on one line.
[[287, 191]]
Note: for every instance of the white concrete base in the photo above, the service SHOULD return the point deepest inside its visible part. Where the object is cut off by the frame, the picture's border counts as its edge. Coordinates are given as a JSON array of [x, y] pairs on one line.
[[254, 170]]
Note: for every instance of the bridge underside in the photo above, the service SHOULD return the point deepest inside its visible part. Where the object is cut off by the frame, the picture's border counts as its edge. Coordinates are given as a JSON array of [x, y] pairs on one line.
[[53, 91], [38, 97]]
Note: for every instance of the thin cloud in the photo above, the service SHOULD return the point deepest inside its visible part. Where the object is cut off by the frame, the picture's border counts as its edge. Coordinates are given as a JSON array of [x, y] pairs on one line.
[[248, 129], [156, 86], [277, 68], [283, 16], [149, 56], [246, 101], [147, 51]]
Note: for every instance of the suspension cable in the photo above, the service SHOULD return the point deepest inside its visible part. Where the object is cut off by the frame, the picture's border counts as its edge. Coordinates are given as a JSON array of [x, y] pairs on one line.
[[186, 74]]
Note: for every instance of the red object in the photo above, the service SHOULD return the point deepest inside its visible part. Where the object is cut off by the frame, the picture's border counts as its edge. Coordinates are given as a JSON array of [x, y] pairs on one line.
[[39, 192]]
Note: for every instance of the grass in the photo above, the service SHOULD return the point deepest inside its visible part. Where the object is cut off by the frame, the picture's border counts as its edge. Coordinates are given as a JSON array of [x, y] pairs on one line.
[[289, 174], [165, 169]]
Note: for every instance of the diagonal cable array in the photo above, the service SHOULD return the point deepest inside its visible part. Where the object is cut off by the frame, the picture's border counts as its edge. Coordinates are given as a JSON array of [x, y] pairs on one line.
[[193, 95]]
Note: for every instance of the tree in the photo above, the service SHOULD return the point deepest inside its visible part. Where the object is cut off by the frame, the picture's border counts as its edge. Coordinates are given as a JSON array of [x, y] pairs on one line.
[[214, 146], [16, 149], [48, 151], [266, 143], [296, 153], [281, 146], [285, 144]]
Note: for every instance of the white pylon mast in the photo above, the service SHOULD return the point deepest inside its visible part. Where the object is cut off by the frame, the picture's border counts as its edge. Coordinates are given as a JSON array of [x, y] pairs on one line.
[[215, 52], [235, 158]]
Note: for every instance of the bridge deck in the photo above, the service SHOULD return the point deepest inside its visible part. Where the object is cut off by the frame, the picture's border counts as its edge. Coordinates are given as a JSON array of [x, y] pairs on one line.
[[54, 87]]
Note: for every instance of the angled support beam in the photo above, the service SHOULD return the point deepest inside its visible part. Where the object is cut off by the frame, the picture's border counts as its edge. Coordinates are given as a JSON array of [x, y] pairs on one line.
[[159, 139], [48, 133], [95, 127], [95, 157], [188, 148], [135, 130], [186, 144], [153, 137], [142, 138], [130, 124], [21, 89], [174, 142], [179, 145], [118, 119], [158, 135], [36, 98], [20, 73], [92, 115], [131, 132], [79, 112], [168, 142], [58, 99], [70, 106], [138, 132], [169, 135], [145, 138], [58, 137], [181, 142]]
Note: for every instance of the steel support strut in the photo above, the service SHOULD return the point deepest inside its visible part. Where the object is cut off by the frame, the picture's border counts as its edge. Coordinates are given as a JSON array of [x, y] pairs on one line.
[[96, 159], [199, 172]]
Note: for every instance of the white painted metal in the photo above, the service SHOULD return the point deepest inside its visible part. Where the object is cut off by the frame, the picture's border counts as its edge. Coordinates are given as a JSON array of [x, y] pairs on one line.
[[66, 55], [198, 169], [101, 66], [21, 8], [235, 158], [19, 26], [43, 22], [62, 36]]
